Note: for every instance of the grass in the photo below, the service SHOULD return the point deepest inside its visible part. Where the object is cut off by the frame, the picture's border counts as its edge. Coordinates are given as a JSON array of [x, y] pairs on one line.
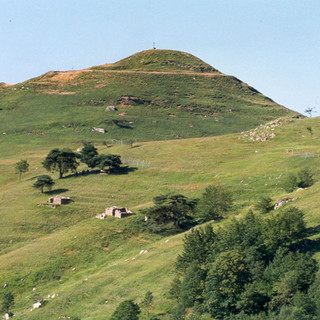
[[170, 104], [99, 249], [186, 126]]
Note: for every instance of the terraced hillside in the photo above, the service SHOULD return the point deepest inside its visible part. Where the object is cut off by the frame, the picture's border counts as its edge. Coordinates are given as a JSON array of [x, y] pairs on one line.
[[152, 95]]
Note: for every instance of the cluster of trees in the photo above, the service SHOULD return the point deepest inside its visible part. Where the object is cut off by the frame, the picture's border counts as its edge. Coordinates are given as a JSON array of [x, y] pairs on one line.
[[250, 269], [66, 160], [89, 155], [177, 212]]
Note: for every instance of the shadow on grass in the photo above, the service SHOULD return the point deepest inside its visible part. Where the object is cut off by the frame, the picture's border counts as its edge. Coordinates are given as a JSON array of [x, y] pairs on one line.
[[123, 170], [56, 191], [313, 230], [119, 171]]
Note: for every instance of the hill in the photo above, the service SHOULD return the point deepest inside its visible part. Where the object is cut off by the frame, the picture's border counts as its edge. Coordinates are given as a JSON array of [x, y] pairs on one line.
[[91, 265], [156, 95]]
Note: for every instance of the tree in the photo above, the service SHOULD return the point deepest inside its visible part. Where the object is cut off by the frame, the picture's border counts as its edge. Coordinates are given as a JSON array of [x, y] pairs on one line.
[[192, 286], [112, 161], [309, 111], [88, 153], [175, 208], [21, 166], [7, 301], [215, 201], [127, 310], [197, 247], [61, 160], [225, 283], [43, 181], [264, 204], [283, 229], [305, 178]]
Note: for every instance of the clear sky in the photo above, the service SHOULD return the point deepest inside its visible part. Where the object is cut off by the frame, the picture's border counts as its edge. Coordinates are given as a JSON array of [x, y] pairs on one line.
[[272, 45]]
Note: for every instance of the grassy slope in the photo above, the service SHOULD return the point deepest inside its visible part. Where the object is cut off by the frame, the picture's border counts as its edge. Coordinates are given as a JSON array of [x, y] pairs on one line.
[[178, 96], [49, 242]]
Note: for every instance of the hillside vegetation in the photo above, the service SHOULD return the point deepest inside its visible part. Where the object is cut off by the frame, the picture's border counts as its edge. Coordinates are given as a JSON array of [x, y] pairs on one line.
[[179, 126], [106, 252], [157, 95]]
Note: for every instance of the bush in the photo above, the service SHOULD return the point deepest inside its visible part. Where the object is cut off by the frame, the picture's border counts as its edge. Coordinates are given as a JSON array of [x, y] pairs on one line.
[[290, 183], [215, 201], [264, 205], [305, 178], [127, 310]]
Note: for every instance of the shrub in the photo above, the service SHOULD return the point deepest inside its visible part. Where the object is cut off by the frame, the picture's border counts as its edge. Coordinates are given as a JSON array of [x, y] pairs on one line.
[[215, 201], [127, 310], [290, 183], [264, 205], [305, 178]]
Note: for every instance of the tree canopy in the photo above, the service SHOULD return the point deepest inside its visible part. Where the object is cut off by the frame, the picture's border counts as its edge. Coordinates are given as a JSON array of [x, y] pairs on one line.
[[171, 208], [21, 166], [43, 181], [215, 201], [88, 153], [62, 161], [126, 310]]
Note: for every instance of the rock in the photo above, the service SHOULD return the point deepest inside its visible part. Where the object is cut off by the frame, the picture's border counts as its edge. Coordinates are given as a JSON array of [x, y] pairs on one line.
[[37, 304], [101, 130], [111, 108], [281, 202]]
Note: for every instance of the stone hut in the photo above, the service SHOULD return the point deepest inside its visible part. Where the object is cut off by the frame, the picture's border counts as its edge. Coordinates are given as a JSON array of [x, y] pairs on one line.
[[59, 200], [115, 212]]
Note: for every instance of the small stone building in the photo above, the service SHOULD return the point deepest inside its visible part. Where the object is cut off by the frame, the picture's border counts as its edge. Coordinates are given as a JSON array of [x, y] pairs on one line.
[[59, 200], [115, 212]]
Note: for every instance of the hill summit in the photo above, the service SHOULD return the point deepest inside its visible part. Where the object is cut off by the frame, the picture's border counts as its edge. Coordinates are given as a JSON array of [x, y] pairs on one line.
[[160, 60], [151, 95]]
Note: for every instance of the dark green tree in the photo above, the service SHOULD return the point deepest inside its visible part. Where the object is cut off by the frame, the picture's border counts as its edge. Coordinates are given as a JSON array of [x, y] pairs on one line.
[[175, 287], [197, 247], [174, 208], [43, 181], [283, 229], [7, 301], [62, 161], [21, 167], [88, 153], [192, 286], [305, 178], [214, 203], [126, 310], [112, 161], [264, 205], [225, 283]]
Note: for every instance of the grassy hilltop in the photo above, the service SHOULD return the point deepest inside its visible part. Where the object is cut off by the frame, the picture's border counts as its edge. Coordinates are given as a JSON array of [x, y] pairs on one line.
[[159, 94], [91, 265]]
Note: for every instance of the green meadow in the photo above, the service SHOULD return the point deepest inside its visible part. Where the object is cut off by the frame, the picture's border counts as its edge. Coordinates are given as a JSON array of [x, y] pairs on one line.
[[179, 126], [42, 245]]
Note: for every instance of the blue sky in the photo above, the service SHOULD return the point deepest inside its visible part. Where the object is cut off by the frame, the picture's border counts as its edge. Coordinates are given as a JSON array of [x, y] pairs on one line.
[[272, 45]]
